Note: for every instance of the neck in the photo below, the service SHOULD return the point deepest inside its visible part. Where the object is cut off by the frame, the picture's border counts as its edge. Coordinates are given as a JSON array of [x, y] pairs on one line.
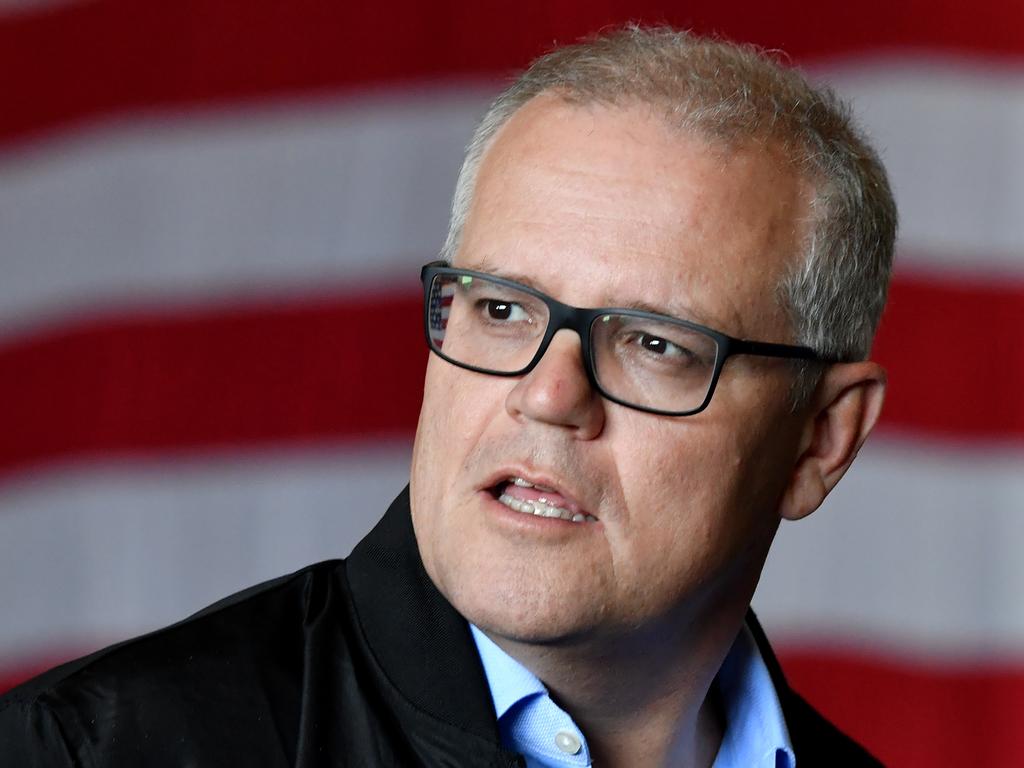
[[642, 698]]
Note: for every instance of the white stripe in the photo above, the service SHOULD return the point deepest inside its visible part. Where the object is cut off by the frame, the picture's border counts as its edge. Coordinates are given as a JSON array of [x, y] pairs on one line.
[[355, 192], [917, 551], [89, 555], [951, 134], [296, 198]]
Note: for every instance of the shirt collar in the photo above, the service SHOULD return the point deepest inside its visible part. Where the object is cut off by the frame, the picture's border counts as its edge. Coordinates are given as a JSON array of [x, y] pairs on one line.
[[510, 681], [755, 731], [755, 728]]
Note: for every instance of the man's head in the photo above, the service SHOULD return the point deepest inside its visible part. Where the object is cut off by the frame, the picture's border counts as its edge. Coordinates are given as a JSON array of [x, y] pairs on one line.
[[651, 169]]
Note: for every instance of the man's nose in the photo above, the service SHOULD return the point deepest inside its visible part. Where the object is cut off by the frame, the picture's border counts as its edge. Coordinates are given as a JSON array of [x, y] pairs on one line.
[[558, 392]]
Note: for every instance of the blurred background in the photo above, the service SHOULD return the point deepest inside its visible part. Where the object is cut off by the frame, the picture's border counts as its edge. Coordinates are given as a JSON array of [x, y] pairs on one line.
[[212, 216]]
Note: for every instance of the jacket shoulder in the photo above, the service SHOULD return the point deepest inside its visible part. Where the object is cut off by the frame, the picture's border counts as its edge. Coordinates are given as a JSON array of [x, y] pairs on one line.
[[239, 660], [31, 737]]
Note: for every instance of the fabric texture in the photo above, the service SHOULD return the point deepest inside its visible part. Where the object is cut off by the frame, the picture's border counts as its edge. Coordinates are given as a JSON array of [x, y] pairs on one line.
[[530, 722], [528, 718], [356, 662], [755, 727]]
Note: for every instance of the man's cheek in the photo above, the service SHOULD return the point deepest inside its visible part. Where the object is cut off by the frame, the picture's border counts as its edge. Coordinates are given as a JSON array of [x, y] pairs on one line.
[[440, 401]]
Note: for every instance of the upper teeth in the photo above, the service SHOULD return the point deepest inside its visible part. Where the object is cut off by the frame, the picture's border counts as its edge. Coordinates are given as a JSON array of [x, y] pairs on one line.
[[541, 507], [527, 484]]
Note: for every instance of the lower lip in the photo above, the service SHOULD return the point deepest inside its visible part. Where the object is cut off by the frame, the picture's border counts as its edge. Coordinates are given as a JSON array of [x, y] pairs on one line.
[[529, 522]]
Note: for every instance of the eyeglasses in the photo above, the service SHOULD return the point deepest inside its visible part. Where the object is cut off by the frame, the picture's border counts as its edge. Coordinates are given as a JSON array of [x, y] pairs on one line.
[[643, 360]]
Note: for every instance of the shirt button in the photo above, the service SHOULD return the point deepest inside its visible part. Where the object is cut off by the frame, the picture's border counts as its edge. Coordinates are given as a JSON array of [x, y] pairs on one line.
[[568, 742]]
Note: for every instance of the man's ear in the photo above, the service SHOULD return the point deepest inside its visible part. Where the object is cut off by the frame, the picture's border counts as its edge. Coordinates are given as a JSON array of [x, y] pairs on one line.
[[840, 416]]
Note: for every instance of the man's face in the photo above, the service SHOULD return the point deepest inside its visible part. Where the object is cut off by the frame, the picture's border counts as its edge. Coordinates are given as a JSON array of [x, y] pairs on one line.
[[601, 206]]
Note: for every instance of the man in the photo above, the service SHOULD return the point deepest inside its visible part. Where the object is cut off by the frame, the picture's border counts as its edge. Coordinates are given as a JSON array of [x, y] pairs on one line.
[[593, 491]]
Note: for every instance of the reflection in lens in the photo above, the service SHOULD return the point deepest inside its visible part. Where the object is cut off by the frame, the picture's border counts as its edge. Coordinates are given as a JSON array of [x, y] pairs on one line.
[[485, 324]]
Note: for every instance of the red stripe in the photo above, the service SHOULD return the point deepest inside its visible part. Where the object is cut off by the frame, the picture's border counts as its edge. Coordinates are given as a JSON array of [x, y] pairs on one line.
[[915, 715], [955, 357], [351, 368], [14, 673], [105, 57]]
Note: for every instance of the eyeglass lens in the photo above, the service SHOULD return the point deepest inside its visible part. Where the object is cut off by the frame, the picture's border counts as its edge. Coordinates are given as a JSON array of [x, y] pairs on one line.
[[642, 361]]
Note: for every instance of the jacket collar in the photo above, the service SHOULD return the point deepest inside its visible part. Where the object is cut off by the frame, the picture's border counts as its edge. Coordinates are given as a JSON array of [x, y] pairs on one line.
[[421, 643], [406, 620]]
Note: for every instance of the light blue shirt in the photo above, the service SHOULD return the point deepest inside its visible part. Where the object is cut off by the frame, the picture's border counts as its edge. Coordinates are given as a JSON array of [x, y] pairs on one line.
[[533, 725]]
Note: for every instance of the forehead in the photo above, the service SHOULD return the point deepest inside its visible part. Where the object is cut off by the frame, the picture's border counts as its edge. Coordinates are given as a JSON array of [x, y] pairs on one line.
[[603, 205]]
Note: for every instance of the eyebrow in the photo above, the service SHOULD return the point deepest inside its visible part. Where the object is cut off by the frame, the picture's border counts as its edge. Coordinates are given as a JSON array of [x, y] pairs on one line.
[[680, 312]]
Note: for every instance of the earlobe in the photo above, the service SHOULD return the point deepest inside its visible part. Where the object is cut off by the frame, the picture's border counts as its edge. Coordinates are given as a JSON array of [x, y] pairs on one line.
[[844, 410]]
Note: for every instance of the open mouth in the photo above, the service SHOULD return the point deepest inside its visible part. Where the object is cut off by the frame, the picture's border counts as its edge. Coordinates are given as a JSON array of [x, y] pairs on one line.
[[520, 495]]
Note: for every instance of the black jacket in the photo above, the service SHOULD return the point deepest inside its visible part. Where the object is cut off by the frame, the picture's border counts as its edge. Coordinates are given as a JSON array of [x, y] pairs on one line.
[[357, 662]]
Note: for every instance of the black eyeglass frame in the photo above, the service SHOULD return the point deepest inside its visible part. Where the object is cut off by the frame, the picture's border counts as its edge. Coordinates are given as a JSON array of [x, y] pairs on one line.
[[581, 320]]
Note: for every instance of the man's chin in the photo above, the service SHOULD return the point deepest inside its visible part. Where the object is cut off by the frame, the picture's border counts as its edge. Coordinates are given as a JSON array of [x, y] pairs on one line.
[[526, 594], [505, 633], [524, 621]]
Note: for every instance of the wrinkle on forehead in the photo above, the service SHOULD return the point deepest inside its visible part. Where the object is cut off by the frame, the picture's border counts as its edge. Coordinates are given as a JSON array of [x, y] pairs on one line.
[[638, 211]]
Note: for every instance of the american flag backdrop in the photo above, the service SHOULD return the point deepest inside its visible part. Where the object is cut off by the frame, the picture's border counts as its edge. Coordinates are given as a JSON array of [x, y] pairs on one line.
[[212, 218]]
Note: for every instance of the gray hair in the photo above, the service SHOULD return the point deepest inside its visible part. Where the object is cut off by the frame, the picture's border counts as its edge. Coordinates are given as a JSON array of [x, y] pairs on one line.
[[731, 93]]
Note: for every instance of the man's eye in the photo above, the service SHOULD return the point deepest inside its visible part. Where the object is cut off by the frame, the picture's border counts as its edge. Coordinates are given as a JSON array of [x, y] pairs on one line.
[[660, 346], [505, 310]]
